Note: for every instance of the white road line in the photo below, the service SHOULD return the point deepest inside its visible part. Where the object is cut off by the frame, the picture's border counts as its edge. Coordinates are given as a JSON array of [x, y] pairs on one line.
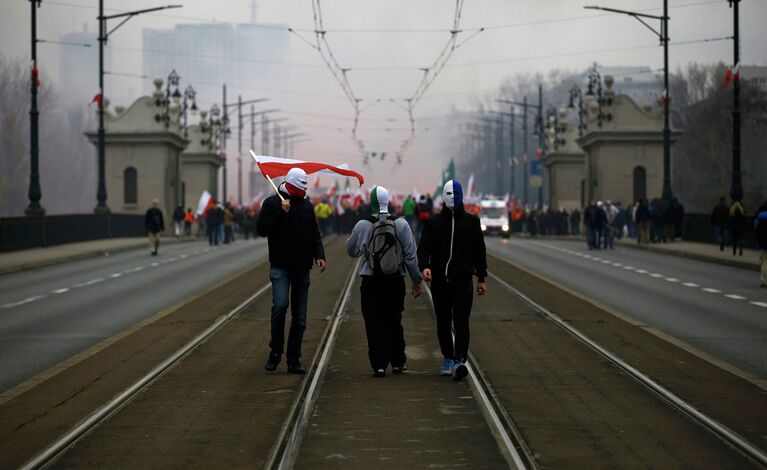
[[182, 256], [656, 275], [154, 265], [690, 284], [671, 279], [90, 283], [711, 290], [115, 275], [22, 302], [170, 260], [734, 297], [629, 268], [760, 304], [617, 265], [641, 271], [60, 291]]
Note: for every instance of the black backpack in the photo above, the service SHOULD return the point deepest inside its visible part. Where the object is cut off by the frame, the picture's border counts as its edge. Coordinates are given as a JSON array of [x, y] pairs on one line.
[[384, 253]]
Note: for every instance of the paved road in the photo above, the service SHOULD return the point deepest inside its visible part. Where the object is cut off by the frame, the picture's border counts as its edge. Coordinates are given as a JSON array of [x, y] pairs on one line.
[[50, 314], [718, 309]]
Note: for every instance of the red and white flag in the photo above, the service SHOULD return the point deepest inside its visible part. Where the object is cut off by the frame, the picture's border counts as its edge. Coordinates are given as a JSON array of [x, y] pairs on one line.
[[733, 73], [274, 166]]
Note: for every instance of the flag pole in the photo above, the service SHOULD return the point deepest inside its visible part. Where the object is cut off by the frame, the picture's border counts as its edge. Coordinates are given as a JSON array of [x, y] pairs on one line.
[[267, 176]]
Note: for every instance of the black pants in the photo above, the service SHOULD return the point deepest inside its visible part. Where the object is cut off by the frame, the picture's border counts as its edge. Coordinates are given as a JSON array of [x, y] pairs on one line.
[[383, 300], [452, 307]]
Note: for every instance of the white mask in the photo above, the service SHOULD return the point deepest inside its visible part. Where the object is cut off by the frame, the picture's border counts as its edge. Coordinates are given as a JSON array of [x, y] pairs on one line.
[[448, 196]]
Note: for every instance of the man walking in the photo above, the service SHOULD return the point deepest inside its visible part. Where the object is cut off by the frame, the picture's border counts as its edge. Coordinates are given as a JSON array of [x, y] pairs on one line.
[[720, 220], [155, 225], [389, 252], [760, 229], [287, 220], [450, 252]]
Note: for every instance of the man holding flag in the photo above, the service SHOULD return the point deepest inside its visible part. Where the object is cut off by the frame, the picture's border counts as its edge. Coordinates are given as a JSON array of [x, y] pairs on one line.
[[287, 220]]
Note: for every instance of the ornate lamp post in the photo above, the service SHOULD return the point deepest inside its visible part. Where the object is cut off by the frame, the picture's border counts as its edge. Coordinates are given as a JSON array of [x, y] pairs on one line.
[[189, 95], [576, 92], [35, 194], [595, 91]]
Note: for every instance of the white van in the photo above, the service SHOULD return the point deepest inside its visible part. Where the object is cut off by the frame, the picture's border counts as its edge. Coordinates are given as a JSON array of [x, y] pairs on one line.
[[494, 217]]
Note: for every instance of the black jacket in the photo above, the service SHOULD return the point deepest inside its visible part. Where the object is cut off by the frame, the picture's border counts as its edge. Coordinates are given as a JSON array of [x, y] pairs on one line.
[[468, 254], [294, 238], [153, 221]]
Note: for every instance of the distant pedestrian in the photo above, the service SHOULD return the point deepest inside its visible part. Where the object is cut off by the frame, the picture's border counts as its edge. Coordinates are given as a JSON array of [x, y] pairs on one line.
[[643, 221], [409, 209], [760, 229], [611, 214], [450, 252], [294, 243], [155, 225], [323, 211], [575, 222], [720, 220], [388, 249], [228, 224], [189, 220], [178, 221], [213, 221], [677, 210], [738, 224]]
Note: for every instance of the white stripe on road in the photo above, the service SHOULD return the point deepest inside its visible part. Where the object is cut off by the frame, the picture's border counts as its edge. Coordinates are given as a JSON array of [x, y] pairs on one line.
[[735, 297], [90, 283], [22, 302], [115, 275], [711, 290], [760, 304], [154, 265], [656, 275], [60, 291], [690, 284], [641, 271], [671, 279]]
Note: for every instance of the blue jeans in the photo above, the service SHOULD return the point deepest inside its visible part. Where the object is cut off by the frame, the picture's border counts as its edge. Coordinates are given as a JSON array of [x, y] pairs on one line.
[[289, 287]]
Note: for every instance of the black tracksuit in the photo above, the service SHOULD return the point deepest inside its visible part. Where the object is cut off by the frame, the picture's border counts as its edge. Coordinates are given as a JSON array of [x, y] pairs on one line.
[[453, 247]]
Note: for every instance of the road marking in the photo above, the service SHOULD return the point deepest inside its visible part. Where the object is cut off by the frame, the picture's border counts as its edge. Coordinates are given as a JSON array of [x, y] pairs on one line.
[[734, 297], [711, 290], [154, 265], [134, 270], [629, 268], [671, 279], [22, 302], [170, 260], [617, 265], [690, 284], [182, 256], [115, 275], [60, 291], [656, 275], [760, 304], [90, 283], [641, 271]]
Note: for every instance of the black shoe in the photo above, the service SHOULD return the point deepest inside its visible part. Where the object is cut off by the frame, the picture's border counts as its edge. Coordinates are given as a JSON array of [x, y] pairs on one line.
[[295, 368], [397, 370], [460, 371], [272, 362], [379, 373]]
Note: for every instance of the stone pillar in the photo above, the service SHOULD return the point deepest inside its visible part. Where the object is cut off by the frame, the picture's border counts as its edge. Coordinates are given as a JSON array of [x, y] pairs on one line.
[[623, 149], [564, 163], [201, 162], [140, 143]]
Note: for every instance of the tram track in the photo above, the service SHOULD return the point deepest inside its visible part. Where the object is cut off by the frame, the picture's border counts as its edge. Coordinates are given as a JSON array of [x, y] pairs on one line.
[[673, 400]]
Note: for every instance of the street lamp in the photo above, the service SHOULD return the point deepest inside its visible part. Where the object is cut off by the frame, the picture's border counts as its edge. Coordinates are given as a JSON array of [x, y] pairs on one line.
[[35, 194], [663, 36], [189, 95], [101, 193], [736, 185], [171, 92], [576, 92], [595, 83]]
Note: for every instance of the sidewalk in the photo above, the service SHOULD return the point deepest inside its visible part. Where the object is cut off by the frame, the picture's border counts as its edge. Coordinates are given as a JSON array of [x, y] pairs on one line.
[[700, 251], [14, 261]]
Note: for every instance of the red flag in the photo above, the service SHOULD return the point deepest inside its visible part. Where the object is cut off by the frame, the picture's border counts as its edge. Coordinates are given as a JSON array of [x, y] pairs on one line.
[[538, 153], [35, 75], [97, 98], [733, 73], [273, 167]]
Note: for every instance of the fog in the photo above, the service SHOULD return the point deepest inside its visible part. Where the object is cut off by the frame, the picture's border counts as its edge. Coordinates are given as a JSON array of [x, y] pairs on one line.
[[386, 43]]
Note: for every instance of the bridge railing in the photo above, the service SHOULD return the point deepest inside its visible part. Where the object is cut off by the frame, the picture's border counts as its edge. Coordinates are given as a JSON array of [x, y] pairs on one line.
[[18, 233]]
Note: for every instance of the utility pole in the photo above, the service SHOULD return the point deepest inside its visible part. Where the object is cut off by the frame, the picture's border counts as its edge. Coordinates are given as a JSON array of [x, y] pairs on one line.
[[101, 192], [736, 185], [35, 194], [664, 39], [524, 146], [224, 131], [239, 150], [541, 142], [511, 152]]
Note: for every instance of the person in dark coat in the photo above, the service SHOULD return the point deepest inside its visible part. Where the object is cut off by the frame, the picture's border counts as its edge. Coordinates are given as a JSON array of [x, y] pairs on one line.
[[214, 218], [155, 225], [451, 251], [738, 224], [760, 229], [287, 220], [720, 220], [178, 221], [575, 222]]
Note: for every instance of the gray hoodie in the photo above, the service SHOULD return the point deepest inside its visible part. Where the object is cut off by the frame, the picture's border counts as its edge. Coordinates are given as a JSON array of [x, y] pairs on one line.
[[357, 245]]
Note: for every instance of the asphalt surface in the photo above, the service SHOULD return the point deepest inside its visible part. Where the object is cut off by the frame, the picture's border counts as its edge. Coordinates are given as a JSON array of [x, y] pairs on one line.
[[717, 309], [50, 314]]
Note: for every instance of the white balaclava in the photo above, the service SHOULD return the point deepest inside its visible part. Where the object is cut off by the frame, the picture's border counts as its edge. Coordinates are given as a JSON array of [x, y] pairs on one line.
[[379, 200], [297, 177]]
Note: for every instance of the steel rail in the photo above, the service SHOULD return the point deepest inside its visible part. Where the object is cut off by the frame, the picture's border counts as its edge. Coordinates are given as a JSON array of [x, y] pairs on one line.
[[61, 445], [283, 453], [717, 428], [506, 432]]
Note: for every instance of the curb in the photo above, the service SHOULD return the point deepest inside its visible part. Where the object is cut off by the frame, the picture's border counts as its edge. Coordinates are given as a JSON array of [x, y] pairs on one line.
[[89, 254], [683, 254]]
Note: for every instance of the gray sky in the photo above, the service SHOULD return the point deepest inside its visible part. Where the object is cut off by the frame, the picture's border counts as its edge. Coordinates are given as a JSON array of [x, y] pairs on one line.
[[520, 37]]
